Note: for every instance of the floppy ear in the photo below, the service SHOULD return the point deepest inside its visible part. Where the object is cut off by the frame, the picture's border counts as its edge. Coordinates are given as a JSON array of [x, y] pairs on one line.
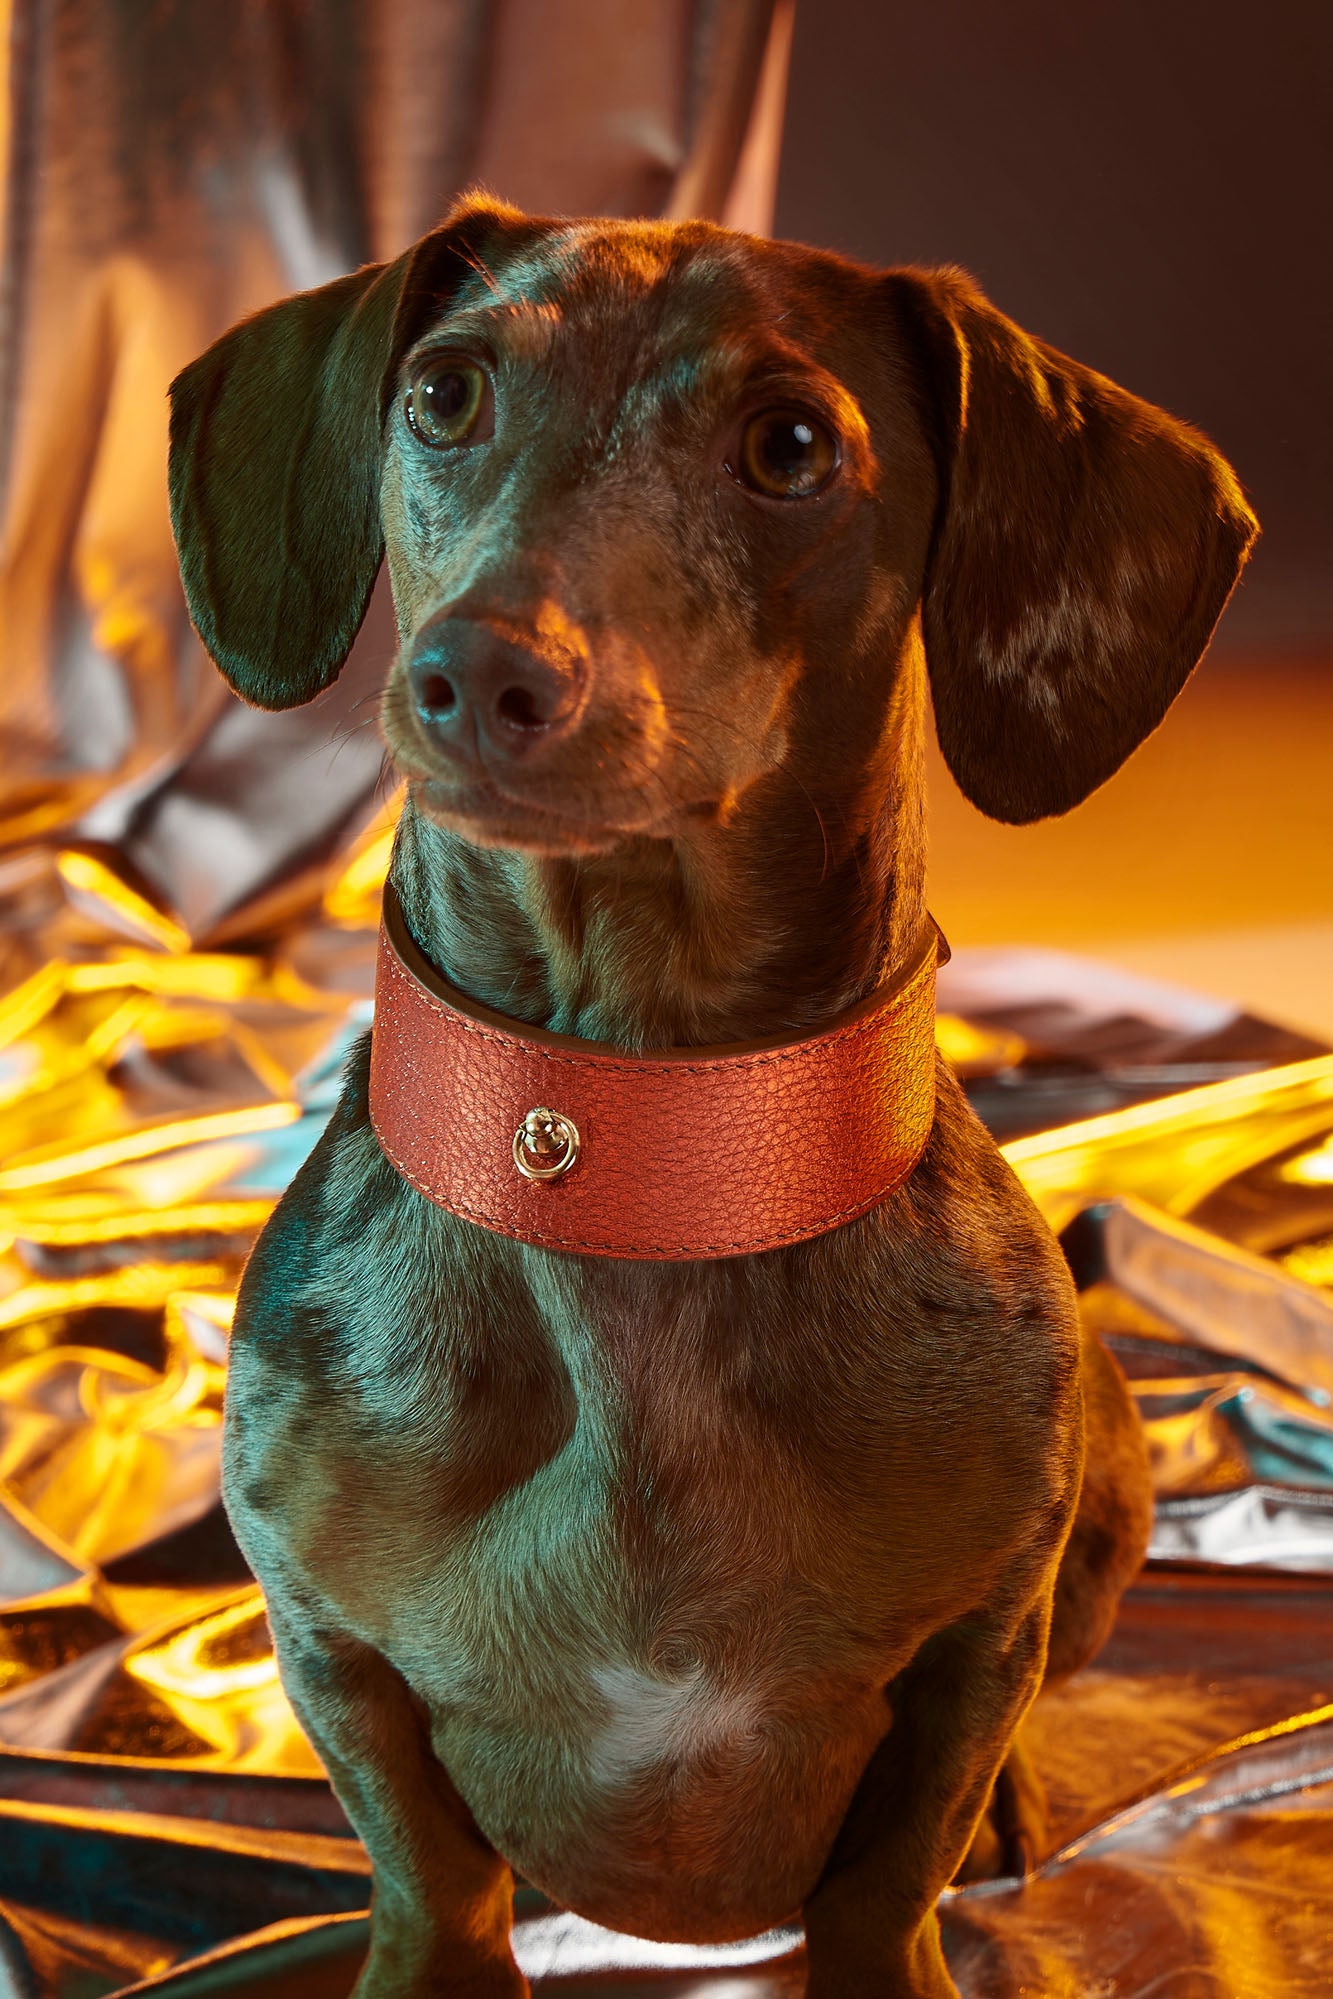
[[1084, 548], [275, 463]]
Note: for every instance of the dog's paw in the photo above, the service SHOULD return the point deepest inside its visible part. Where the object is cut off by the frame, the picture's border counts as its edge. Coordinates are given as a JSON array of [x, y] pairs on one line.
[[386, 1976], [438, 1985], [877, 1969]]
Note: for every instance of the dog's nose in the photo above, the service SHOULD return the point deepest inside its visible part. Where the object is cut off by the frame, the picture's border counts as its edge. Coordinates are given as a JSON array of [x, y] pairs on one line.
[[476, 688]]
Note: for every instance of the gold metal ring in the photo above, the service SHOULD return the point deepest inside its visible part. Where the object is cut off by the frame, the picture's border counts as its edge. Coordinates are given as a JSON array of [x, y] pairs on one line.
[[552, 1137]]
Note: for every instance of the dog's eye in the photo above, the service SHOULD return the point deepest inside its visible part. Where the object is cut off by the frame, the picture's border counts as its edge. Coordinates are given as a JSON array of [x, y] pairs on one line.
[[449, 401], [787, 454]]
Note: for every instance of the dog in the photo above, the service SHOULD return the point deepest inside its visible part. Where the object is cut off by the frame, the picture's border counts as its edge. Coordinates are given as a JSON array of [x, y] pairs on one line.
[[706, 1591]]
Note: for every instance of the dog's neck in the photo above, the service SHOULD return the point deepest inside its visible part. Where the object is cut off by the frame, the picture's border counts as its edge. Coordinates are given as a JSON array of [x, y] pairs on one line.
[[771, 925]]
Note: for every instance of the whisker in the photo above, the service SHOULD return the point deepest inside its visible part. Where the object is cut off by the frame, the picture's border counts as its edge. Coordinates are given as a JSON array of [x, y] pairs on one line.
[[474, 262]]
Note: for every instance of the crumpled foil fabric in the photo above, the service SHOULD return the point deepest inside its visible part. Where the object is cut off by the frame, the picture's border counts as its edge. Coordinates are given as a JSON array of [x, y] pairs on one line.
[[164, 1827]]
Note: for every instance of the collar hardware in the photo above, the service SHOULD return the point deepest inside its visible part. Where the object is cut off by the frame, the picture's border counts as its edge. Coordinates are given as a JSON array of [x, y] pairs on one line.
[[545, 1145], [674, 1154]]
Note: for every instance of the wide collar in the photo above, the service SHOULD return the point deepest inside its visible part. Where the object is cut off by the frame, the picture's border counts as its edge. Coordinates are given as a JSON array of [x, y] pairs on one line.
[[673, 1154]]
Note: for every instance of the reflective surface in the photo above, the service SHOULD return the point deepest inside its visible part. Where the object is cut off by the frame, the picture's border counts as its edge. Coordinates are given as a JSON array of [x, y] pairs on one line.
[[161, 1816]]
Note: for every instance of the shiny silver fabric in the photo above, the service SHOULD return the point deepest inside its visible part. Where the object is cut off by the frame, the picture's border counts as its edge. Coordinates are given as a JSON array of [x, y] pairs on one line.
[[171, 168], [162, 1819], [1226, 1297]]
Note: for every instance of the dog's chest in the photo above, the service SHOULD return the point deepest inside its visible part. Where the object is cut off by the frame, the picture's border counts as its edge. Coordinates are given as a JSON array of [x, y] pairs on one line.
[[616, 1489], [610, 1487], [622, 1483], [646, 1631], [648, 1550]]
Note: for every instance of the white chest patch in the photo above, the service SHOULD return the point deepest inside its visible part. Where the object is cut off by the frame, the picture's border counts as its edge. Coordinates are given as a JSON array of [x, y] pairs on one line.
[[653, 1719]]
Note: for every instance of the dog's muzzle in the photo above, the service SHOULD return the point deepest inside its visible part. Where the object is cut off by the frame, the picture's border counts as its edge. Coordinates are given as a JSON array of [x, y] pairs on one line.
[[481, 696], [675, 1154]]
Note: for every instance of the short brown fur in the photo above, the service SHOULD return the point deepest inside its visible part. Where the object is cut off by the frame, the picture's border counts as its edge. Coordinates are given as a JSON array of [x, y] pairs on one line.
[[702, 1593]]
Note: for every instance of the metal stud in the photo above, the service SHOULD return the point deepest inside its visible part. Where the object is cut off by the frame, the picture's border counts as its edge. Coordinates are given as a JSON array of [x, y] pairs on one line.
[[546, 1145]]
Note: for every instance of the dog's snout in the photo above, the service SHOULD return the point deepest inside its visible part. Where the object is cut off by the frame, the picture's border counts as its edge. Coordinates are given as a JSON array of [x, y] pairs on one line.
[[476, 689]]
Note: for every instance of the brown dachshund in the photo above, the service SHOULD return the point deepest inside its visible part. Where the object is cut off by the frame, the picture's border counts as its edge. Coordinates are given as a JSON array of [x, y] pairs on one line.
[[706, 1593]]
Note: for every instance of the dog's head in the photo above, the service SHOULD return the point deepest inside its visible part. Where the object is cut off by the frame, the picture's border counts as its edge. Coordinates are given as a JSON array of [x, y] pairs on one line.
[[660, 505]]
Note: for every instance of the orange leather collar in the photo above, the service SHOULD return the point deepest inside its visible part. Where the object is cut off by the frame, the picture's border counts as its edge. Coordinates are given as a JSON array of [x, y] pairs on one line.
[[679, 1153]]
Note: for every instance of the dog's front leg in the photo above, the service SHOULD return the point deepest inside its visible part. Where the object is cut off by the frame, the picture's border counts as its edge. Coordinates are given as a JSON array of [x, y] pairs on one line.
[[871, 1927], [441, 1904]]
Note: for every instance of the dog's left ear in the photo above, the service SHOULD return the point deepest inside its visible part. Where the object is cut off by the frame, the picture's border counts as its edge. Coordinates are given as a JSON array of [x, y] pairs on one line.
[[276, 456], [1084, 547]]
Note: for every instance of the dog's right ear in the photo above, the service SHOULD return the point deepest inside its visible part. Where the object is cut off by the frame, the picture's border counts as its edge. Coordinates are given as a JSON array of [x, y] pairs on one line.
[[276, 447], [1085, 545]]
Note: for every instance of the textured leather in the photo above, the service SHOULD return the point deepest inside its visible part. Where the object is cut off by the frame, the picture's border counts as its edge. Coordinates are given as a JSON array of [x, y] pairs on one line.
[[684, 1152]]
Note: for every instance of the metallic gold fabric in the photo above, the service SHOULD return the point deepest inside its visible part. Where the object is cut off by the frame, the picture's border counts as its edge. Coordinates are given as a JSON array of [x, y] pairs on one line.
[[161, 1816]]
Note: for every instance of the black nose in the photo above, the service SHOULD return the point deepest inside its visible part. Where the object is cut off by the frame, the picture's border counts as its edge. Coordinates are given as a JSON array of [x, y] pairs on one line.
[[475, 689]]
